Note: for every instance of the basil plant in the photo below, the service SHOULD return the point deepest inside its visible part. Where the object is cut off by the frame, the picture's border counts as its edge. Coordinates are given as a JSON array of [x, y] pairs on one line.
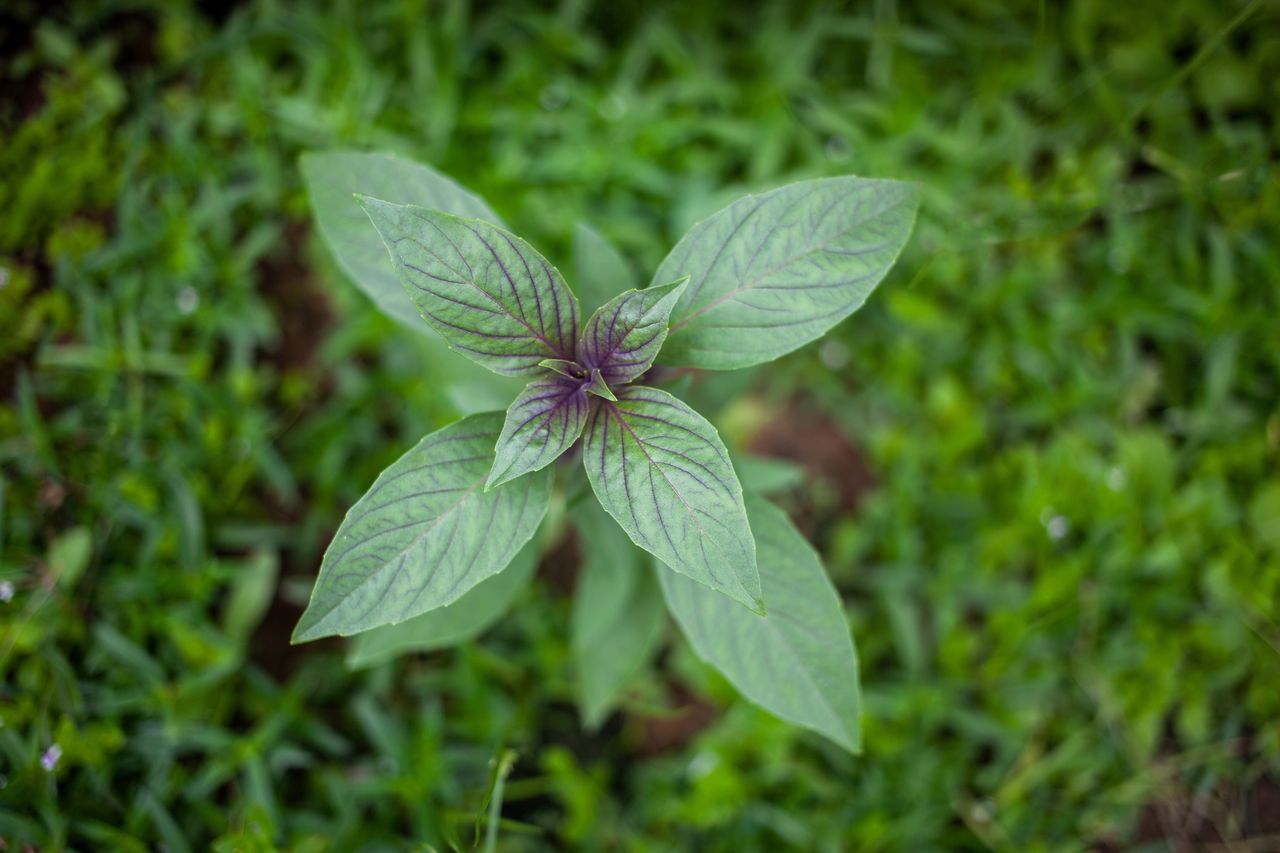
[[444, 540]]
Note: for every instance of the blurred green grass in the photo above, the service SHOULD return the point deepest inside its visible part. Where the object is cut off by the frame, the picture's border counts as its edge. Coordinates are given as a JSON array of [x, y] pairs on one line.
[[1063, 566]]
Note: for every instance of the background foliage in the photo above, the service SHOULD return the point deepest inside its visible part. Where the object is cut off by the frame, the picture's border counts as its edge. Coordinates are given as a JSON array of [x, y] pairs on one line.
[[1043, 459]]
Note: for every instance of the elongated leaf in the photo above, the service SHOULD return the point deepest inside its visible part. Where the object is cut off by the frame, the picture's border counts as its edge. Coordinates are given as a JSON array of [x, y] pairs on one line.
[[762, 475], [333, 178], [771, 272], [453, 624], [544, 420], [660, 469], [799, 661], [424, 534], [599, 272], [617, 614], [624, 336], [486, 291]]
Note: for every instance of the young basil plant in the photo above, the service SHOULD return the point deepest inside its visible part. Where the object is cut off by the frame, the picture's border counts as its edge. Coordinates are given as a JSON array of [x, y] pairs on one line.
[[444, 540]]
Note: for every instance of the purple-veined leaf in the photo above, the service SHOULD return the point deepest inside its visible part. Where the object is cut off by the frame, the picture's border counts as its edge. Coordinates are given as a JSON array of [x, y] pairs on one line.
[[771, 272], [660, 469], [543, 421], [488, 293], [799, 661], [624, 336], [333, 177], [424, 533]]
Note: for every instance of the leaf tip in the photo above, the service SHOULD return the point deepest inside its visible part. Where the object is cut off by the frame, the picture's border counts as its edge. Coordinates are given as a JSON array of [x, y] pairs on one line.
[[497, 478], [302, 633]]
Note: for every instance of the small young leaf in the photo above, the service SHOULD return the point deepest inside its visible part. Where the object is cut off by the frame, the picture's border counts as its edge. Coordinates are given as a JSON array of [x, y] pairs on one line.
[[453, 624], [617, 614], [486, 291], [622, 338], [564, 367], [424, 534], [543, 421], [771, 272], [599, 272], [599, 387], [660, 469], [333, 177], [799, 661]]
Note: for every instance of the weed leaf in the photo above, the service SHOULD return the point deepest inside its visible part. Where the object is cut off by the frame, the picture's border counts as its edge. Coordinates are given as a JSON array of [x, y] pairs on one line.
[[486, 291]]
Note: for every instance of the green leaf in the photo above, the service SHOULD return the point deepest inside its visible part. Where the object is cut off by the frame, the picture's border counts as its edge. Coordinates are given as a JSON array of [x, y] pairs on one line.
[[563, 366], [251, 594], [763, 475], [596, 385], [617, 615], [660, 469], [486, 291], [599, 271], [333, 178], [455, 623], [771, 272], [543, 421], [799, 661], [424, 534], [624, 336], [69, 556]]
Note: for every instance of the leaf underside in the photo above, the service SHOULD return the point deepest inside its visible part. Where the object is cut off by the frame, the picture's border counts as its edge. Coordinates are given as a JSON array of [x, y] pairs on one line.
[[771, 272], [622, 339], [452, 624], [543, 421], [486, 291], [424, 533], [618, 614], [799, 661], [660, 469]]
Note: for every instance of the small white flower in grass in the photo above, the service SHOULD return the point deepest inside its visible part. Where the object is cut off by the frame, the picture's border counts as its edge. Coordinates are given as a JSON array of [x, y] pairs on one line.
[[702, 764], [553, 97], [6, 591], [1117, 479], [838, 149], [49, 759], [188, 300], [834, 355], [1055, 524]]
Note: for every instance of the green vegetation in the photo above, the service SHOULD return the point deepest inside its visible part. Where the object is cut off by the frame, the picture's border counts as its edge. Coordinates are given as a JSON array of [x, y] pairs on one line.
[[1041, 462]]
